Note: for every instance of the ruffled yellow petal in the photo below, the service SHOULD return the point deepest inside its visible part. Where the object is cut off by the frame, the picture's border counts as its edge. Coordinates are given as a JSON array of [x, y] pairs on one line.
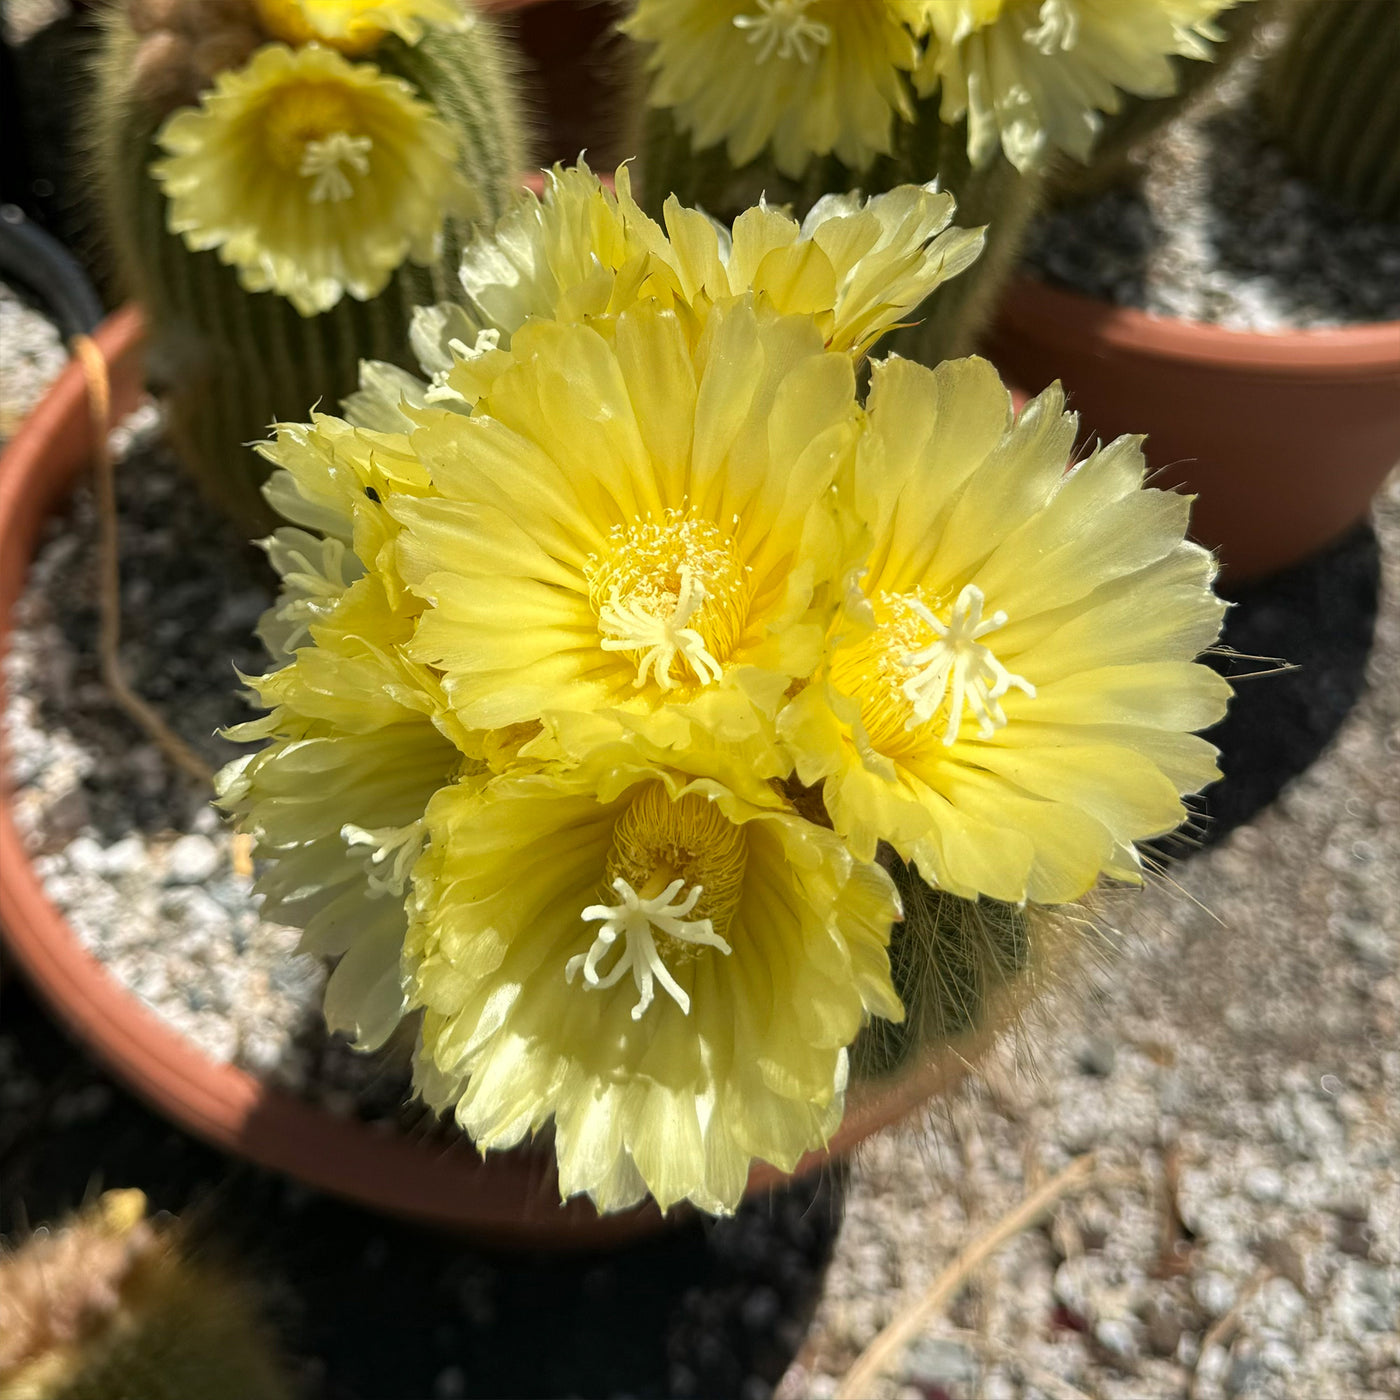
[[802, 77], [727, 1041], [313, 177], [1029, 75], [1008, 702], [855, 266]]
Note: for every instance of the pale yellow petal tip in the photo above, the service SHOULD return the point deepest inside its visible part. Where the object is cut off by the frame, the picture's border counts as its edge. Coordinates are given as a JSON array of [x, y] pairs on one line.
[[1033, 77], [358, 26], [315, 178]]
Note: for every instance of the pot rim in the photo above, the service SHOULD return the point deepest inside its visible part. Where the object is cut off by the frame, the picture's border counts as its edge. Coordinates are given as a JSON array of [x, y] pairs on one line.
[[502, 1197], [1359, 352]]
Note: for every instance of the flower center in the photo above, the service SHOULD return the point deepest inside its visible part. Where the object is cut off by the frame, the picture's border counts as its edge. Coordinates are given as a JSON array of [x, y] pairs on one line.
[[670, 593], [784, 27], [311, 129], [677, 868], [916, 665]]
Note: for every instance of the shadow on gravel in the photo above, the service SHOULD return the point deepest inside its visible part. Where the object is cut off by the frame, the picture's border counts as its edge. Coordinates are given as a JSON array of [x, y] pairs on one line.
[[1319, 617], [371, 1309]]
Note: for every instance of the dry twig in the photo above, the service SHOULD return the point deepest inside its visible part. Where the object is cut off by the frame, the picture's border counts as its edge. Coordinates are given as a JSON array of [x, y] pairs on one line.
[[1223, 1329], [94, 367], [874, 1360]]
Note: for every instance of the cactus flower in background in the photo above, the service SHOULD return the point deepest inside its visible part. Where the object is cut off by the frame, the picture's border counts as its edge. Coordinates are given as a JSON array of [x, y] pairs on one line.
[[356, 26], [618, 648], [279, 209], [313, 176], [804, 77], [1031, 75]]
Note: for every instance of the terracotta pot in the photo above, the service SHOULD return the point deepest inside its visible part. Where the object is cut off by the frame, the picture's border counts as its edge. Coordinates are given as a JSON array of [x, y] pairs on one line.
[[1284, 437], [508, 1198]]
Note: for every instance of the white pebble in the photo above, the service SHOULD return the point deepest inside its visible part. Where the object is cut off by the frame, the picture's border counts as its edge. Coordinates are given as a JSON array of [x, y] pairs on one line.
[[191, 861]]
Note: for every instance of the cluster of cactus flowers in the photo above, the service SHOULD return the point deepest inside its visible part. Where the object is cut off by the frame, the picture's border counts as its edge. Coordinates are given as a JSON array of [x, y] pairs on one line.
[[686, 715], [283, 182]]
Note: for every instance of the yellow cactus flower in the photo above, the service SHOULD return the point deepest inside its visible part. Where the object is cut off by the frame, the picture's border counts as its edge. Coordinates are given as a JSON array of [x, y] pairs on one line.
[[855, 266], [625, 525], [1034, 74], [673, 974], [1009, 706], [312, 176], [360, 736], [804, 77], [357, 26]]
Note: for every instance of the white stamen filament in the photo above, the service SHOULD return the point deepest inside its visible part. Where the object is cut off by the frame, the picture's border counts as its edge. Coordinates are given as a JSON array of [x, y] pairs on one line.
[[398, 846], [958, 657], [783, 28], [633, 920], [1058, 29], [322, 162], [637, 627]]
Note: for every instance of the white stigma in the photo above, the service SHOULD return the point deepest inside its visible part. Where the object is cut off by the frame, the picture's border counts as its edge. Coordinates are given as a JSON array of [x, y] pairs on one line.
[[782, 27], [636, 625], [633, 921], [1058, 29], [394, 850], [323, 162], [958, 657]]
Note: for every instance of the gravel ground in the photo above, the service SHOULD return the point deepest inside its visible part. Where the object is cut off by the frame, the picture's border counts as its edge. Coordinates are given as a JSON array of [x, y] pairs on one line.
[[1236, 1073], [33, 356], [1215, 227]]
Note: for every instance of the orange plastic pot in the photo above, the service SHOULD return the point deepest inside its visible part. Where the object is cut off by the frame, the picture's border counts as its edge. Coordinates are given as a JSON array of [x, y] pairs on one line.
[[1283, 437], [508, 1198]]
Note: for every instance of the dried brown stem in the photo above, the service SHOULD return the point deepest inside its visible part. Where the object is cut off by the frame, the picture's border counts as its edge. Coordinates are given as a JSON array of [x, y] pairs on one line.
[[94, 367], [886, 1347]]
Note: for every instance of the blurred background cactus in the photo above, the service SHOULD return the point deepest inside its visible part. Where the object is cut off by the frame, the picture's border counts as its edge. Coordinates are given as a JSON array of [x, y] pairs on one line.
[[1003, 102], [284, 228], [109, 1307], [1332, 95]]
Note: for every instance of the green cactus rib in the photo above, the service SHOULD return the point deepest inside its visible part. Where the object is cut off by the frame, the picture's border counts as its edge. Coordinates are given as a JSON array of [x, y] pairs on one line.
[[227, 362], [956, 964], [1332, 97]]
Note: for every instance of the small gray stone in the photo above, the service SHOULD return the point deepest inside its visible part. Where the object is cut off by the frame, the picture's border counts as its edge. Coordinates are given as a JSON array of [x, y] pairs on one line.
[[1115, 1335], [1214, 1293], [123, 857], [1264, 1184], [942, 1362], [191, 861], [85, 855]]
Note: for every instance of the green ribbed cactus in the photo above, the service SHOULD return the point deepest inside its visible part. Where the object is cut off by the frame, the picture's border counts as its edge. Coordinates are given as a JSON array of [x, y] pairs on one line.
[[229, 361], [958, 966], [108, 1308], [1332, 95]]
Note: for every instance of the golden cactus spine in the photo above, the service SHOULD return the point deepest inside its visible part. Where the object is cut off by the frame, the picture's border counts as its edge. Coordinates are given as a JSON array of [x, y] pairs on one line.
[[108, 1306]]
